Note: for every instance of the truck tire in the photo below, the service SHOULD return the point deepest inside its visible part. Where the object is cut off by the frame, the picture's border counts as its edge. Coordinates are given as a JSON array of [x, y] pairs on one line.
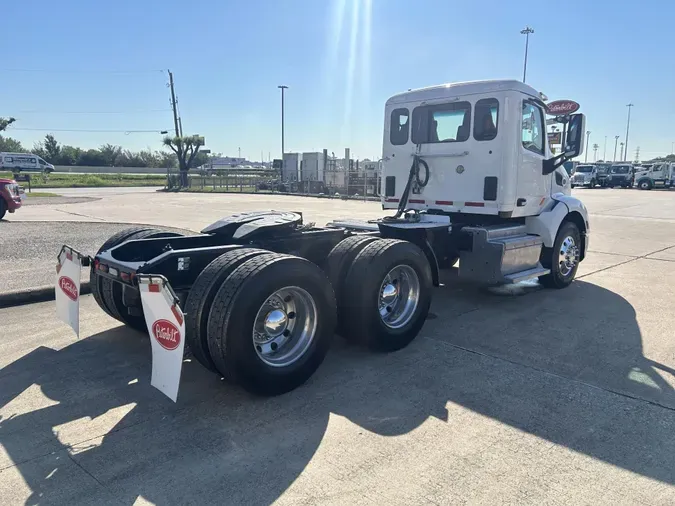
[[340, 260], [563, 258], [200, 299], [112, 291], [271, 323], [645, 184], [387, 294], [593, 183], [95, 279]]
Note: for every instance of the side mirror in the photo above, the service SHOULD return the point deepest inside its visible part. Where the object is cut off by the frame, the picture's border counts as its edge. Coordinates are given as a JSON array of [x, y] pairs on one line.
[[574, 141]]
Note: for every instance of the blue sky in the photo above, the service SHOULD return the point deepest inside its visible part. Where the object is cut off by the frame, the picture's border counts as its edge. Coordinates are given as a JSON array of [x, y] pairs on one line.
[[228, 57]]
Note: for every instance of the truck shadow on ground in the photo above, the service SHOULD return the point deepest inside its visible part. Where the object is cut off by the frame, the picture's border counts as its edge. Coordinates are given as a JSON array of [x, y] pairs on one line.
[[564, 366]]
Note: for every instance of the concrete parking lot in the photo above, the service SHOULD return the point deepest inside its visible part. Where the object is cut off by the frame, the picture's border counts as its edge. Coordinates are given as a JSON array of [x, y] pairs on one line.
[[511, 396]]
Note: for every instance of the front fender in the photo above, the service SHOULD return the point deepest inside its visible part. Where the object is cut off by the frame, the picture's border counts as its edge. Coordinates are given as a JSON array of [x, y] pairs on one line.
[[562, 208]]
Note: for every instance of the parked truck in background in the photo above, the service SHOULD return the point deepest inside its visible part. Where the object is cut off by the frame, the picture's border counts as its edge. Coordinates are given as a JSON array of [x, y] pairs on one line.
[[621, 174], [468, 176], [585, 175], [24, 162], [659, 175]]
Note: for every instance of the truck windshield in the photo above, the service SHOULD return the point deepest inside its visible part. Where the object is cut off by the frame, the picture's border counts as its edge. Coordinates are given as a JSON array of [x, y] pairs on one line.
[[585, 168], [621, 169]]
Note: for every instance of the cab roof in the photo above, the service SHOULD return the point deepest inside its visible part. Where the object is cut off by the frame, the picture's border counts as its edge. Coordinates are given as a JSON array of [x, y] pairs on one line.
[[464, 88]]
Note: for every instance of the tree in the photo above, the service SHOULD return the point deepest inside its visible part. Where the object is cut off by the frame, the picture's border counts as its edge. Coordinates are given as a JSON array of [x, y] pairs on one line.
[[92, 157], [186, 149], [69, 155], [110, 153], [9, 145], [5, 122], [52, 149]]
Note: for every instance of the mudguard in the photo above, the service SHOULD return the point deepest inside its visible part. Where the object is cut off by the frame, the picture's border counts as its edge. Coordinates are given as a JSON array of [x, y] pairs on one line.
[[166, 326], [547, 223], [67, 290]]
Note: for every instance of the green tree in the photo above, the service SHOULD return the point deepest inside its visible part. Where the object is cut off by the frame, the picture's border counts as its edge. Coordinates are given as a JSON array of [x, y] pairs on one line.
[[5, 122], [69, 155], [52, 149], [39, 150], [9, 145], [110, 153], [186, 149], [92, 158]]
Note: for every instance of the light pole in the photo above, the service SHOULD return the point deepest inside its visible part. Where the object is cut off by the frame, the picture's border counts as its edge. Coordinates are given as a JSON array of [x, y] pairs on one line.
[[621, 155], [588, 136], [616, 142], [595, 152], [625, 153], [604, 153], [526, 31], [282, 88]]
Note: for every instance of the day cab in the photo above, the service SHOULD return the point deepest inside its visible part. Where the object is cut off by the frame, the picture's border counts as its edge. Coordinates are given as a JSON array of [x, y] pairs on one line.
[[659, 175]]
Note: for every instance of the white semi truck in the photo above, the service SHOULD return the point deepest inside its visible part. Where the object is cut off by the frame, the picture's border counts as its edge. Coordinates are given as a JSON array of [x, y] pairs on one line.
[[659, 175], [468, 177]]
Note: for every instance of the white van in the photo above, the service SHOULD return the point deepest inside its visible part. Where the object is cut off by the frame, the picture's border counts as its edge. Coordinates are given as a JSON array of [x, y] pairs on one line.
[[24, 162]]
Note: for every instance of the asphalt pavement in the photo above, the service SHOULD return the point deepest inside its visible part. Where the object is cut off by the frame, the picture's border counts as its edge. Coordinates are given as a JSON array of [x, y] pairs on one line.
[[28, 249], [512, 396]]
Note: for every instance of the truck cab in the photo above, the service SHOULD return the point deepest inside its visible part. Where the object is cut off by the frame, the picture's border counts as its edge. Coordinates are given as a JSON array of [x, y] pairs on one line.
[[621, 174], [484, 144], [585, 175], [658, 175]]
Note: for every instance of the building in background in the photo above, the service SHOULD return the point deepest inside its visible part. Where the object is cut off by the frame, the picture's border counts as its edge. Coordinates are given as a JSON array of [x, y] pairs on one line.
[[291, 167]]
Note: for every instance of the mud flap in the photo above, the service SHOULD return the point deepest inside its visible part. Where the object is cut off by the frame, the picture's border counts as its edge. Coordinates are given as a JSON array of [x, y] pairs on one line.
[[67, 289], [166, 326]]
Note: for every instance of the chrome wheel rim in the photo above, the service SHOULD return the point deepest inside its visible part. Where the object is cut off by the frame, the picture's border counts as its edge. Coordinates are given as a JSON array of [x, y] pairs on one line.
[[285, 326], [399, 296], [568, 257]]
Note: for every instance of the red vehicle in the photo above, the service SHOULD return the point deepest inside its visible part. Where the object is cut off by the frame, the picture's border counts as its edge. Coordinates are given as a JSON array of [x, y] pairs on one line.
[[10, 196]]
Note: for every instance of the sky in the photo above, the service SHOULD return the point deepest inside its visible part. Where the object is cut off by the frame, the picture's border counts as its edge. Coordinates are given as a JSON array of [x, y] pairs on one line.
[[83, 65]]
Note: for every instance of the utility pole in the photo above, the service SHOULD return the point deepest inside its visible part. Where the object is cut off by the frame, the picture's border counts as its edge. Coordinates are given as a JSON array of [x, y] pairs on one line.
[[173, 104], [595, 152], [627, 128], [527, 31], [588, 136], [621, 155], [604, 154], [637, 154], [283, 147], [180, 125], [239, 152], [616, 141]]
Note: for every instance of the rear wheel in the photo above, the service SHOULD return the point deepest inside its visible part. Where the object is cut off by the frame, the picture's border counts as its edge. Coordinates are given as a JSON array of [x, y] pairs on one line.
[[387, 295], [112, 292], [563, 259], [271, 323], [96, 280], [201, 297]]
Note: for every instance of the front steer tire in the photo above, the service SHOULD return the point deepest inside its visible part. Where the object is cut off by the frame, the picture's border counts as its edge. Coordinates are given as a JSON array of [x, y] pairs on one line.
[[550, 258], [236, 308], [361, 320], [200, 299]]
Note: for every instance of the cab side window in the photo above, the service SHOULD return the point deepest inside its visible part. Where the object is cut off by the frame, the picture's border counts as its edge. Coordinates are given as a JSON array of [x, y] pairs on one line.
[[532, 129], [399, 127], [485, 119]]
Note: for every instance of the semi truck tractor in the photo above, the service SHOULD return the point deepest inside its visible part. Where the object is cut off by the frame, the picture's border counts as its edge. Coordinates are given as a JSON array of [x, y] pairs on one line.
[[468, 179], [658, 175]]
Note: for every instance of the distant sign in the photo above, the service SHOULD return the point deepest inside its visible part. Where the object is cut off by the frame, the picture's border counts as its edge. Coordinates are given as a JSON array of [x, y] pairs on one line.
[[555, 138], [21, 177], [560, 107]]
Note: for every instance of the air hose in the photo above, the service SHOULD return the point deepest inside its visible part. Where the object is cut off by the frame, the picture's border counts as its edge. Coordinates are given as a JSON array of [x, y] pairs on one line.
[[413, 176]]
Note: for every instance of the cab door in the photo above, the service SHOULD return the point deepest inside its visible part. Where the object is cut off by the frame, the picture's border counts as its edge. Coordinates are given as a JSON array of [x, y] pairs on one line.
[[533, 187]]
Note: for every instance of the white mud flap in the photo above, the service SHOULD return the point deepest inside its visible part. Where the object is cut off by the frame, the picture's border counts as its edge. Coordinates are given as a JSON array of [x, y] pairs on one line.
[[67, 289], [166, 326]]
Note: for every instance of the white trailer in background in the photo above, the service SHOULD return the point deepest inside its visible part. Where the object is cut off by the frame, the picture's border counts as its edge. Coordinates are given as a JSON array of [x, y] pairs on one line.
[[469, 175]]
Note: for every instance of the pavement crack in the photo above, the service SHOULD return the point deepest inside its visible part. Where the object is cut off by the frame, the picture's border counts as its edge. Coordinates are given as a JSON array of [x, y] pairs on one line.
[[556, 375], [78, 214], [633, 259], [83, 469]]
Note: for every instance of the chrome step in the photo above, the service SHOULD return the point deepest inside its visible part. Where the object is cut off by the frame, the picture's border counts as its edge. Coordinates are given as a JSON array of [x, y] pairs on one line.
[[517, 277]]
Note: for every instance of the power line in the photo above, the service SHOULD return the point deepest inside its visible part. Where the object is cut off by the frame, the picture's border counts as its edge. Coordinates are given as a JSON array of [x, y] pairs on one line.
[[158, 130], [139, 111], [74, 71]]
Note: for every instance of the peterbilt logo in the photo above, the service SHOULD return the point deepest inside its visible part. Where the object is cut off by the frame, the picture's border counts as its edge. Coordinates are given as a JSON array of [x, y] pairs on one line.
[[167, 334], [559, 107], [68, 287]]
